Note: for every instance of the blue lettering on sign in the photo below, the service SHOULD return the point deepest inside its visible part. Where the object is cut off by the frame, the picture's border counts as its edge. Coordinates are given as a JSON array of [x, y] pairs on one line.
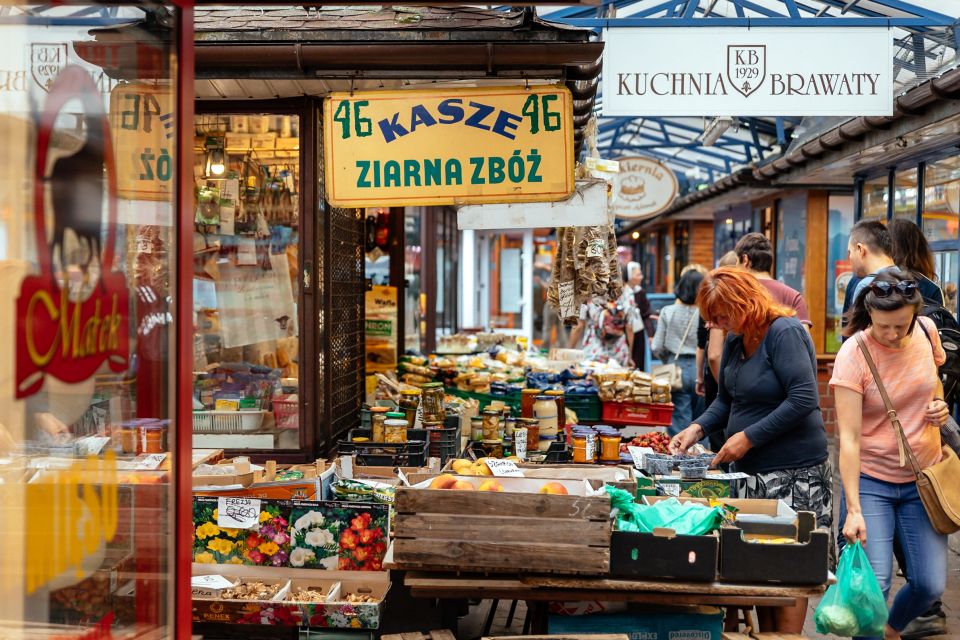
[[451, 111]]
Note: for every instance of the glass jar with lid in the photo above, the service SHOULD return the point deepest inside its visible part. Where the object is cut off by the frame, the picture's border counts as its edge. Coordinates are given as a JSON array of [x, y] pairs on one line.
[[491, 424], [395, 430], [431, 400], [545, 411], [476, 428], [378, 416], [409, 403]]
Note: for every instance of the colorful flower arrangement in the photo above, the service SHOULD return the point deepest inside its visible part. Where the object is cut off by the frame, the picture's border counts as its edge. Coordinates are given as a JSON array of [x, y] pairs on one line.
[[314, 539], [363, 546]]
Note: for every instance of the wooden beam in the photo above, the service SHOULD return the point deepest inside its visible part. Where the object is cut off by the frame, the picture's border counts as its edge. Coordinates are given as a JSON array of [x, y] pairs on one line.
[[816, 266]]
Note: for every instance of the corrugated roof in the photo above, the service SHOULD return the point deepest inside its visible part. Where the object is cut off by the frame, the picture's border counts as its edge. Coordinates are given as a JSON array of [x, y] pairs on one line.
[[395, 18]]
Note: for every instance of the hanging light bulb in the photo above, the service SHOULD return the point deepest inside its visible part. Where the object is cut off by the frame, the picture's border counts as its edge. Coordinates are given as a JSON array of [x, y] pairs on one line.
[[216, 157], [217, 167]]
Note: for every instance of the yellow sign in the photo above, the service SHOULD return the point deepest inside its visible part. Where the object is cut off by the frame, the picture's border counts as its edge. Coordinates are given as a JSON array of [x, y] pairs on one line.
[[449, 146], [143, 128]]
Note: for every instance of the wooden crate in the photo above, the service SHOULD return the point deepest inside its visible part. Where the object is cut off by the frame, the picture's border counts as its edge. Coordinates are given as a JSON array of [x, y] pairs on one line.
[[501, 532]]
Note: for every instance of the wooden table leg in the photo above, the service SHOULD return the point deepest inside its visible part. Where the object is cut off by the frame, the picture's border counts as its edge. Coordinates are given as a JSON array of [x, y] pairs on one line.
[[538, 617]]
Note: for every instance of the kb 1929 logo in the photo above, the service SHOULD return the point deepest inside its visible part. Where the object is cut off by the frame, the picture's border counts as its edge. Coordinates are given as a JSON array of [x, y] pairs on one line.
[[746, 67]]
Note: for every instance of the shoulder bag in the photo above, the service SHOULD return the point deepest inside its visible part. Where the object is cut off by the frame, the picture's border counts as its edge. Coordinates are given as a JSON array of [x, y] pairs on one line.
[[672, 372], [938, 484]]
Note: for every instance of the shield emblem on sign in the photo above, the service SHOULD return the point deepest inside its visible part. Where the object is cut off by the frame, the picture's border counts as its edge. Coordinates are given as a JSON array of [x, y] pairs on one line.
[[47, 60], [746, 66]]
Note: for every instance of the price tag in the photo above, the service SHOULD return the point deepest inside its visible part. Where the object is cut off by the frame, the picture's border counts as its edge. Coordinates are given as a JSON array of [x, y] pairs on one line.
[[210, 582], [670, 489], [565, 292], [149, 461], [418, 420], [93, 445], [637, 454], [238, 513], [504, 468], [727, 476]]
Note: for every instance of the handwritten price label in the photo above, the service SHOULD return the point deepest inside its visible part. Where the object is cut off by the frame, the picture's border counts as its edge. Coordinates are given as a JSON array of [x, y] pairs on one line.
[[238, 513], [504, 469], [637, 454]]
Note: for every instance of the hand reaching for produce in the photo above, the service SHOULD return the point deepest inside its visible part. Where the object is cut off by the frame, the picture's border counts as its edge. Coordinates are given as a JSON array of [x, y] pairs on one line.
[[686, 439], [735, 448]]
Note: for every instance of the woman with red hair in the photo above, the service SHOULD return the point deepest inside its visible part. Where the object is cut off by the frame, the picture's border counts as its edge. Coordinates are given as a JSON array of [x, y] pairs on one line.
[[767, 406]]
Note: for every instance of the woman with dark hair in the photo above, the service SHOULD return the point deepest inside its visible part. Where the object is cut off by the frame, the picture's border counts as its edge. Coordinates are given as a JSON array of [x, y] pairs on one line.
[[768, 407], [911, 252], [676, 341], [880, 498]]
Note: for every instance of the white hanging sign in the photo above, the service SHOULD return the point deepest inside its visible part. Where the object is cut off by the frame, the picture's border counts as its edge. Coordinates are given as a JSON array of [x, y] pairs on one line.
[[733, 71], [644, 188]]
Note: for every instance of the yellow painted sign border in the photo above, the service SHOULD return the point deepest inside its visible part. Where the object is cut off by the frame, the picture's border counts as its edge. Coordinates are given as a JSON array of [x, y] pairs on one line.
[[566, 107]]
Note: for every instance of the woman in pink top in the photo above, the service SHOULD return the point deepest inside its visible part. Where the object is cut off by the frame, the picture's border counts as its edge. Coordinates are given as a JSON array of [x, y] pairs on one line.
[[880, 494]]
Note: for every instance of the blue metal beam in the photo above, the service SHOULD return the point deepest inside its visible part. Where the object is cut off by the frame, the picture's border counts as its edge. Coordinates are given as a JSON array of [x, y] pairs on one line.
[[613, 23]]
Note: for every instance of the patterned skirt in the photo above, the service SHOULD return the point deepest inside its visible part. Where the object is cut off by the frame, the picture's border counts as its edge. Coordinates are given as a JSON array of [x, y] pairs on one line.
[[806, 489]]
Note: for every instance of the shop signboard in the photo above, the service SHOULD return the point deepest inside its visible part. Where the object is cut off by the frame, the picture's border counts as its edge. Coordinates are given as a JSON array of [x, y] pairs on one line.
[[68, 330], [449, 146], [380, 328], [732, 71], [142, 124], [645, 188]]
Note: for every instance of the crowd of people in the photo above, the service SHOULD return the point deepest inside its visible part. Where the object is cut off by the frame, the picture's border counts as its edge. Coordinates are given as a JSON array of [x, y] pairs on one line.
[[741, 340]]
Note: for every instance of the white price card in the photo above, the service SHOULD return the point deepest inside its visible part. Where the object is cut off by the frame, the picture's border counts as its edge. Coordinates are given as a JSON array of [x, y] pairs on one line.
[[238, 513], [210, 582], [670, 489], [727, 476], [503, 468], [149, 461], [637, 454]]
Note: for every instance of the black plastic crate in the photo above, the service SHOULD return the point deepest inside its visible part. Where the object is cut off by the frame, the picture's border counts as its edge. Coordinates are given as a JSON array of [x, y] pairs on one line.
[[444, 443], [412, 453], [412, 434]]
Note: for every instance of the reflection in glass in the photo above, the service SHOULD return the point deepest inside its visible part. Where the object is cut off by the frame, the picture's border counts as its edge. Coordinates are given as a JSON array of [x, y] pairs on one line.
[[905, 194], [839, 269], [875, 196], [941, 200]]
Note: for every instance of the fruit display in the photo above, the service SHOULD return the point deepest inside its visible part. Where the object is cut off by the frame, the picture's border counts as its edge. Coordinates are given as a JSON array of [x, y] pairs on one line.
[[659, 441], [451, 482], [554, 488], [464, 467]]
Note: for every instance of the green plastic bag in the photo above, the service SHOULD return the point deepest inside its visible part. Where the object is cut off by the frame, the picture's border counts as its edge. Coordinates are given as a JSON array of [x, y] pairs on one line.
[[688, 519], [855, 605]]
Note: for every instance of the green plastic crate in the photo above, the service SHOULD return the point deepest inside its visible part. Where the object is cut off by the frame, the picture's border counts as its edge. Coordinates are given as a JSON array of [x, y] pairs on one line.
[[512, 400], [586, 405]]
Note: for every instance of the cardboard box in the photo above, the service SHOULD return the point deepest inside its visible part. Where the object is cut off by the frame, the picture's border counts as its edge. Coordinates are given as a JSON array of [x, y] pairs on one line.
[[772, 518], [694, 488], [744, 558], [647, 623], [337, 612], [270, 611], [664, 555], [242, 475]]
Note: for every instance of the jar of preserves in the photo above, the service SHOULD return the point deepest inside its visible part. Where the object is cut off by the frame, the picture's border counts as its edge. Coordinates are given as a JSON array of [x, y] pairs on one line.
[[432, 402], [509, 427], [150, 437], [610, 447], [409, 403], [492, 448], [580, 448], [491, 425], [476, 428], [532, 425], [527, 399], [378, 415], [395, 431], [558, 397], [545, 411], [128, 437]]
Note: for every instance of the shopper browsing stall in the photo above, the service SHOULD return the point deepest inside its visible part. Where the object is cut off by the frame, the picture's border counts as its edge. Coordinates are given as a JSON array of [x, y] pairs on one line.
[[767, 405], [880, 496], [676, 342]]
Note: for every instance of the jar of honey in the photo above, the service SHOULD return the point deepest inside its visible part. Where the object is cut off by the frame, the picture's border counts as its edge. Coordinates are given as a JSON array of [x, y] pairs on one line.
[[527, 398], [610, 446]]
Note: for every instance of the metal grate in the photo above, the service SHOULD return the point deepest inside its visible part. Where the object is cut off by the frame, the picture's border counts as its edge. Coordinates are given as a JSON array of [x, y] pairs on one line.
[[345, 362]]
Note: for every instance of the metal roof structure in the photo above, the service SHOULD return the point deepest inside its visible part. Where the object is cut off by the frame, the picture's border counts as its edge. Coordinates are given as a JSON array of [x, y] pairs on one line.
[[926, 40]]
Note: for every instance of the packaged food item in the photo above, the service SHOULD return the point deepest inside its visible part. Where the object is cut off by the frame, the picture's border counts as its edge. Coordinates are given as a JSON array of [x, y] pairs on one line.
[[432, 402], [378, 415], [409, 403], [395, 430], [491, 424]]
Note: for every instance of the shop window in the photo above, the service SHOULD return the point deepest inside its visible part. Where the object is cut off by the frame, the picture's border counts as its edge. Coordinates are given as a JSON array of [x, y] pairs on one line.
[[791, 240], [874, 199], [88, 265], [941, 200], [681, 242], [377, 245], [905, 194], [947, 265], [414, 311], [246, 264], [839, 270]]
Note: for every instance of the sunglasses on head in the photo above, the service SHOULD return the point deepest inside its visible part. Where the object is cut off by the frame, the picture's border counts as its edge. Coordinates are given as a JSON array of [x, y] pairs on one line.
[[905, 288]]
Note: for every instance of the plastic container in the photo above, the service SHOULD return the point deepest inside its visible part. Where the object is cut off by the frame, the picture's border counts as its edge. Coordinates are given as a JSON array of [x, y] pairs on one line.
[[637, 414], [693, 469], [226, 421], [286, 414], [658, 464]]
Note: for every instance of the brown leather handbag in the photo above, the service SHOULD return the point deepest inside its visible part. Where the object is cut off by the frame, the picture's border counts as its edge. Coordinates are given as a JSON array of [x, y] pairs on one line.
[[938, 484]]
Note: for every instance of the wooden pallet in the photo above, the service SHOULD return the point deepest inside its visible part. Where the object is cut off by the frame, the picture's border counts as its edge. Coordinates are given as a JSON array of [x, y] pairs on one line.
[[491, 532]]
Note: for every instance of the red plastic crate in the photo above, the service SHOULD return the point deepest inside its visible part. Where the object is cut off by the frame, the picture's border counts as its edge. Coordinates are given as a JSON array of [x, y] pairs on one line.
[[626, 414], [286, 413]]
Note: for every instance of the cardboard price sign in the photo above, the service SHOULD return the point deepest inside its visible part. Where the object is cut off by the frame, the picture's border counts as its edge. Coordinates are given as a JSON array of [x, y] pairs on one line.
[[637, 454], [238, 513], [503, 468]]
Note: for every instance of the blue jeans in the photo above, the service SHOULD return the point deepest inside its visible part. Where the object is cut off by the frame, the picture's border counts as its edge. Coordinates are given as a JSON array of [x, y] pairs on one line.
[[686, 402], [889, 509]]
